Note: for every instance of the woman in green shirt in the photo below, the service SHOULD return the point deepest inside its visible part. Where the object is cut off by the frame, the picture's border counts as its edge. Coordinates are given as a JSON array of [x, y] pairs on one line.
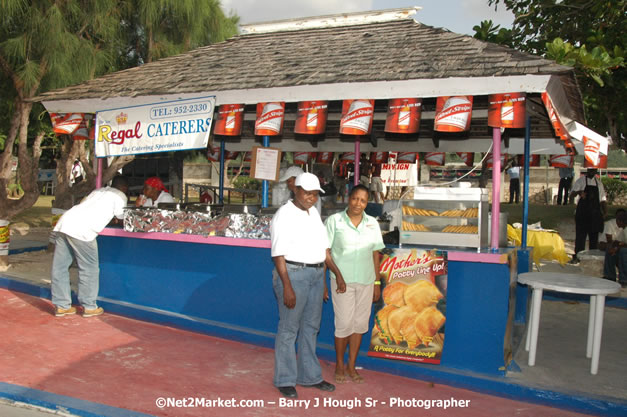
[[355, 239]]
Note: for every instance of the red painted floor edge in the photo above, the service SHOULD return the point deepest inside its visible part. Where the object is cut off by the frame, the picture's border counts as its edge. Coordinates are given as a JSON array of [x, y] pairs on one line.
[[130, 364]]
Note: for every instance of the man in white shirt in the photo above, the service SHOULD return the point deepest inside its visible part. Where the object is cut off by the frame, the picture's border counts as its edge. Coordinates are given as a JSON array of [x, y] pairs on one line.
[[154, 193], [299, 252], [514, 184], [75, 239], [591, 209], [612, 241]]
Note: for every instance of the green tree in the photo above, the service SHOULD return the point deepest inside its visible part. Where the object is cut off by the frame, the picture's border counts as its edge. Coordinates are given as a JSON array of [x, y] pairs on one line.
[[587, 34], [487, 31], [47, 44]]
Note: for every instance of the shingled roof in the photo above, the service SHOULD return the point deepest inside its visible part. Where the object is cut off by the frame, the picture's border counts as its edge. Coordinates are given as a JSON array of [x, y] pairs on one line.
[[378, 52]]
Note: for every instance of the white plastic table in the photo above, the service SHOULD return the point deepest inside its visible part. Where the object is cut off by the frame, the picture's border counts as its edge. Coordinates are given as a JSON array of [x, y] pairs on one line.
[[596, 288]]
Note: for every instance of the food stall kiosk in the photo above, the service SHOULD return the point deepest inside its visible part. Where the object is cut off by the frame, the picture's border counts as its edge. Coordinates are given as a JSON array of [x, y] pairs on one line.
[[220, 283]]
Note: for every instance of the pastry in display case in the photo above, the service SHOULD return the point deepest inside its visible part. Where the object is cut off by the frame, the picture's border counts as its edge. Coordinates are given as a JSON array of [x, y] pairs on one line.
[[445, 217]]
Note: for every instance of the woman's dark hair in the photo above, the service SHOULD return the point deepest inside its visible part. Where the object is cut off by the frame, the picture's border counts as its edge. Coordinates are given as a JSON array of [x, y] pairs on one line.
[[357, 188]]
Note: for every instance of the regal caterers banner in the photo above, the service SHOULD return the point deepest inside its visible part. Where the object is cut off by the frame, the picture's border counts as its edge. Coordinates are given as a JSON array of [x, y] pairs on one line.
[[410, 324], [158, 127]]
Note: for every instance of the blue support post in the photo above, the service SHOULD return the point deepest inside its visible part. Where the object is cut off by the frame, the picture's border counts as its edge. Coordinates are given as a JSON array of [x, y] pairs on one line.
[[221, 183]]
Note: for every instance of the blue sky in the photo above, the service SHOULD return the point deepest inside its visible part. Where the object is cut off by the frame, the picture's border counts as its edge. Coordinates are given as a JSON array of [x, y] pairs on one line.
[[455, 15]]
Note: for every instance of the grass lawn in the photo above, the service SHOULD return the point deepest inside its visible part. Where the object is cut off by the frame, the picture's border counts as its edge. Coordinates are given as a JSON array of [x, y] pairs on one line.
[[550, 216]]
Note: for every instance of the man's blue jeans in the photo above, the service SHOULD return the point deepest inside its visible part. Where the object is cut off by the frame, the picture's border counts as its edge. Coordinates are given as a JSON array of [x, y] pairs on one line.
[[86, 254], [302, 322], [612, 261]]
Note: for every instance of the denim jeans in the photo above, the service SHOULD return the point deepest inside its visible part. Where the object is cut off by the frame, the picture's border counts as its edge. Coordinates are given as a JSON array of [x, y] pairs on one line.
[[302, 322], [612, 261], [86, 254]]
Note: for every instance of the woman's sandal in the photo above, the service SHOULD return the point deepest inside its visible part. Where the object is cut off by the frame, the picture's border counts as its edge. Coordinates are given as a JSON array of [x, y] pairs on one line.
[[340, 378], [356, 378]]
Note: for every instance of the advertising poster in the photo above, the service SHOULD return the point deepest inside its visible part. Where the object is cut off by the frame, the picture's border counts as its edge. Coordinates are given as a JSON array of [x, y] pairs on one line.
[[453, 113], [65, 123], [435, 158], [507, 110], [311, 118], [269, 118], [409, 322], [160, 127], [230, 120], [356, 117], [403, 115]]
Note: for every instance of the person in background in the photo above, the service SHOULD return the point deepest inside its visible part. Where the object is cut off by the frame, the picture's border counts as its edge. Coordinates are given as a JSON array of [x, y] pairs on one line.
[[364, 172], [290, 178], [329, 191], [75, 239], [376, 185], [355, 240], [154, 193], [566, 180], [299, 250], [590, 212], [612, 241], [514, 183]]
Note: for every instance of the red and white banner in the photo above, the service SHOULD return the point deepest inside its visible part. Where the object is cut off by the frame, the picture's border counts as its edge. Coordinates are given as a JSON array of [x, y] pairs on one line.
[[66, 123], [453, 113], [435, 158], [467, 157], [558, 126], [602, 163], [86, 129], [311, 118], [348, 157], [534, 160], [213, 154], [230, 120], [403, 115], [490, 162], [303, 157], [507, 110], [356, 117], [324, 157], [269, 118], [562, 161], [591, 150], [407, 157], [379, 157]]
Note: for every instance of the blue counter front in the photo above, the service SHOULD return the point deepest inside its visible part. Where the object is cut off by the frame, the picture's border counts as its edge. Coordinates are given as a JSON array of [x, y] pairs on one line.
[[223, 287]]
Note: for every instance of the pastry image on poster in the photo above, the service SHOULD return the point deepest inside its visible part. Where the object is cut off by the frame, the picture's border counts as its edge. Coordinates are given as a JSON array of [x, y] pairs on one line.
[[409, 322]]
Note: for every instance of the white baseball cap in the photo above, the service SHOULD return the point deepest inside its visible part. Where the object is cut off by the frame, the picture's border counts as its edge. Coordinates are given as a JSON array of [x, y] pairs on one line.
[[308, 182], [292, 171]]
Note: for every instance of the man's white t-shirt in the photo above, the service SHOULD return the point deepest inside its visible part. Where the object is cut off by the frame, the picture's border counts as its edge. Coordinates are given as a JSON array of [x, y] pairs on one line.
[[612, 229], [164, 197], [581, 183], [85, 220], [298, 235]]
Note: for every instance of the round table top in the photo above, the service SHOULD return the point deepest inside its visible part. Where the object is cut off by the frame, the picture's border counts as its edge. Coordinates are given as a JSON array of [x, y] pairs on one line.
[[571, 283]]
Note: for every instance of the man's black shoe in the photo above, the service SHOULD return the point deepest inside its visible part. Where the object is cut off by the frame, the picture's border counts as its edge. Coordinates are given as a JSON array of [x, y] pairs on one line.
[[289, 392], [323, 386]]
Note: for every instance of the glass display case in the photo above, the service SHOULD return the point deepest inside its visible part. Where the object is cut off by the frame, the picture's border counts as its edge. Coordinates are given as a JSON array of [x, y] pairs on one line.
[[445, 217]]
